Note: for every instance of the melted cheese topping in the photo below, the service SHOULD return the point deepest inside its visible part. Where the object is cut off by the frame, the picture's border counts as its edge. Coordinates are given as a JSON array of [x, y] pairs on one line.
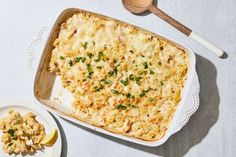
[[123, 79]]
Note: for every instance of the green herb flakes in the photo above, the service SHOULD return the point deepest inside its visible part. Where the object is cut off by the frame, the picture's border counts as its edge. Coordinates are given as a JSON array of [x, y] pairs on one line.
[[77, 59], [100, 54], [11, 132], [85, 45], [70, 62], [131, 77], [93, 43], [128, 95], [62, 57], [162, 83], [113, 72], [145, 65], [142, 94], [121, 106], [151, 72], [83, 59], [150, 99], [90, 55], [138, 80], [124, 82], [115, 91], [131, 105], [96, 60], [97, 89], [10, 144]]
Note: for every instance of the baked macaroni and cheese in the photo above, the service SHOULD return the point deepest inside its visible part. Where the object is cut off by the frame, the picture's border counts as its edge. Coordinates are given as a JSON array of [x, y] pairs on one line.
[[21, 134], [123, 79]]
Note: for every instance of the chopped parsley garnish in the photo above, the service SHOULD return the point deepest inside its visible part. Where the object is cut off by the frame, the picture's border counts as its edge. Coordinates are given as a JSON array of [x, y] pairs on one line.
[[90, 55], [113, 72], [93, 43], [99, 67], [83, 59], [89, 68], [70, 62], [103, 80], [77, 59], [100, 54], [115, 91], [131, 77], [128, 95], [138, 80], [108, 82], [145, 65], [124, 82], [110, 73], [98, 88], [131, 51], [90, 71], [143, 72], [18, 121], [151, 72], [85, 45], [89, 74], [131, 105], [96, 60], [142, 93], [11, 132], [10, 144], [159, 63], [121, 106], [14, 138], [162, 83], [27, 134], [150, 99], [62, 57]]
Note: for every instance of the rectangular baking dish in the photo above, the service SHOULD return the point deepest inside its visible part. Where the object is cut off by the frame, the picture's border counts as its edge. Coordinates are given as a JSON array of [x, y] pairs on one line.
[[54, 98]]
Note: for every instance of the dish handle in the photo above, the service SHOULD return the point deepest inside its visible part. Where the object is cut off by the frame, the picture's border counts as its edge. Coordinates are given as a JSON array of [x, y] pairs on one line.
[[193, 104]]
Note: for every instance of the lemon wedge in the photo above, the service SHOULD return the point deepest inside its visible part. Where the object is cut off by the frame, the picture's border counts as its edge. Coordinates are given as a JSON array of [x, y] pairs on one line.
[[50, 139]]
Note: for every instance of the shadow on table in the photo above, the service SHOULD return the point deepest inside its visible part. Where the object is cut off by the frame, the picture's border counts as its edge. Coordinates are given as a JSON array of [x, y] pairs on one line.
[[63, 139], [199, 124]]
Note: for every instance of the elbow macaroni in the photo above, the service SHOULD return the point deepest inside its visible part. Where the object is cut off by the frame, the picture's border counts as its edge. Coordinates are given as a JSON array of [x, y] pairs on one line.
[[123, 79]]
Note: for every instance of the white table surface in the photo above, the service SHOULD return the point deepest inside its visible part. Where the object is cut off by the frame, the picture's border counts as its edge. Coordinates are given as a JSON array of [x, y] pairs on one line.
[[210, 132]]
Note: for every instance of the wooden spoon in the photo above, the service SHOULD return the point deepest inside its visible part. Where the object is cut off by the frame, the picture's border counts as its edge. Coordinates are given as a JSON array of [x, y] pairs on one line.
[[139, 6]]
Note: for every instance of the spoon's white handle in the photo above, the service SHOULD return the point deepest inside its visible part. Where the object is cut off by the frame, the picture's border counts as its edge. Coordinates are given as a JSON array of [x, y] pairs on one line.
[[206, 44]]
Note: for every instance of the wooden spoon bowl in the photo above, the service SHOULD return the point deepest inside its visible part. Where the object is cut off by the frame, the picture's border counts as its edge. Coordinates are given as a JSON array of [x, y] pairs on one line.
[[139, 6]]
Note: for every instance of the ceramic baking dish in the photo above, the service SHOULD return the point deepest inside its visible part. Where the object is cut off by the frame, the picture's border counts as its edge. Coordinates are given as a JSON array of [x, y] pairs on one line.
[[54, 98]]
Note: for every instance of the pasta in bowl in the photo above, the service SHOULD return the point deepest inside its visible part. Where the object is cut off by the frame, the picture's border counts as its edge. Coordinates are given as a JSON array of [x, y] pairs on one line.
[[21, 134]]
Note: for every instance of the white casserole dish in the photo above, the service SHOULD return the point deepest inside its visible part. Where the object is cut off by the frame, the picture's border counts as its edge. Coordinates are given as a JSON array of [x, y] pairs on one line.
[[54, 98]]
